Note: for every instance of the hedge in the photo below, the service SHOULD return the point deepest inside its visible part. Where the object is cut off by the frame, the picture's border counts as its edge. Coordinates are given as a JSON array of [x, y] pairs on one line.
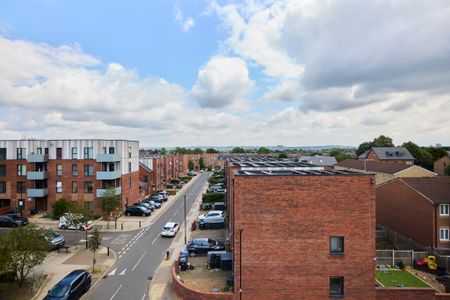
[[213, 197]]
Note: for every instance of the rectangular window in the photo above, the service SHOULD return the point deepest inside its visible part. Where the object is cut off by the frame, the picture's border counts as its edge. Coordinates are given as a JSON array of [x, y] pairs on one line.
[[2, 170], [2, 187], [21, 187], [59, 187], [88, 153], [443, 209], [89, 205], [39, 151], [74, 187], [337, 245], [129, 152], [89, 170], [88, 189], [74, 170], [2, 153], [21, 153], [129, 167], [443, 234], [46, 151], [58, 153], [21, 170], [145, 178], [58, 170], [5, 202], [74, 152], [336, 286], [111, 150]]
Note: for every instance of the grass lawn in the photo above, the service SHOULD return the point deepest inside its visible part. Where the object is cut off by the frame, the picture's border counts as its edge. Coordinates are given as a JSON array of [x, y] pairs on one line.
[[395, 278]]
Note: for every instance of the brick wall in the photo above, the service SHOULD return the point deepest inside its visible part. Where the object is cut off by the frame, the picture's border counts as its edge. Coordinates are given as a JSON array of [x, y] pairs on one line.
[[11, 178], [440, 165], [286, 225], [132, 193], [402, 209]]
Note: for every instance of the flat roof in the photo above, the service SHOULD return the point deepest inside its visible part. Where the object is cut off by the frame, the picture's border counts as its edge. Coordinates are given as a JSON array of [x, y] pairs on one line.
[[271, 164], [292, 172]]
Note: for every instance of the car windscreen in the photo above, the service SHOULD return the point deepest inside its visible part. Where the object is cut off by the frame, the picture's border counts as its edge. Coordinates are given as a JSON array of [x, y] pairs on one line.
[[51, 234], [167, 228], [59, 290]]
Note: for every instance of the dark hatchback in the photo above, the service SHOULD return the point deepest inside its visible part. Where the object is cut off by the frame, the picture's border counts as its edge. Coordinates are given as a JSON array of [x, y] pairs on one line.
[[12, 221], [137, 211], [73, 286], [203, 246]]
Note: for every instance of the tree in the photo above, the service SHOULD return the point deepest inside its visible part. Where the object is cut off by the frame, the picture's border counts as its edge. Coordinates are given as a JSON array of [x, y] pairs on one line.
[[22, 249], [263, 150], [436, 152], [211, 150], [282, 155], [61, 207], [421, 156], [339, 155], [201, 163], [95, 240], [163, 151], [190, 165], [238, 150], [109, 202], [381, 141], [198, 151]]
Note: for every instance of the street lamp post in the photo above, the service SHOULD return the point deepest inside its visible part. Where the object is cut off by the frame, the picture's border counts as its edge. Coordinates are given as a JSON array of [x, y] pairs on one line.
[[185, 238]]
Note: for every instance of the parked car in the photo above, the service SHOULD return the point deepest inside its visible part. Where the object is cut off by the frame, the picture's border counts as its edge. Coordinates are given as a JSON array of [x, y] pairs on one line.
[[145, 204], [71, 221], [73, 286], [213, 216], [137, 211], [165, 194], [54, 239], [191, 173], [155, 204], [203, 246], [12, 221], [157, 198], [170, 229]]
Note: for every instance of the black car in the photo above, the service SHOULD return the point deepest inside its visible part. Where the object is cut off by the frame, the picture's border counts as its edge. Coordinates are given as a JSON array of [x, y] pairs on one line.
[[203, 246], [157, 198], [12, 221], [137, 211], [73, 286]]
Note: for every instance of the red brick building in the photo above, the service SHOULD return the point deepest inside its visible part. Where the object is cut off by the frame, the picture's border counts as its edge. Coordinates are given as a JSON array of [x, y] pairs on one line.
[[418, 208], [301, 234], [389, 154]]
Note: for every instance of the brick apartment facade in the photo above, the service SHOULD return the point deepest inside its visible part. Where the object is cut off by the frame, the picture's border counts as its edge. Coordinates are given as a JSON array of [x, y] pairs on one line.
[[417, 208], [40, 172], [282, 222]]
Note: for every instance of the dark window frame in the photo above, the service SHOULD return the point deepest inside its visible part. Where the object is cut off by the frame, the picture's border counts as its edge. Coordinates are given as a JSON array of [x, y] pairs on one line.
[[338, 280], [74, 187], [338, 251], [74, 170]]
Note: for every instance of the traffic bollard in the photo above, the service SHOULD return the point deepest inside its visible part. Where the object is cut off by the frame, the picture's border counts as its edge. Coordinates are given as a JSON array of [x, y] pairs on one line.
[[121, 226], [140, 224], [108, 252]]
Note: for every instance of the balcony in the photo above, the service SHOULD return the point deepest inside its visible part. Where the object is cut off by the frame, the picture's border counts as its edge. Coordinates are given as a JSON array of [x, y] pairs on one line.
[[37, 158], [37, 175], [34, 193], [100, 192], [108, 157], [108, 175]]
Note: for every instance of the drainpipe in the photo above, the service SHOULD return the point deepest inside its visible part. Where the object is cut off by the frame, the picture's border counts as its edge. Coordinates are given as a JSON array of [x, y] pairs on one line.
[[240, 263]]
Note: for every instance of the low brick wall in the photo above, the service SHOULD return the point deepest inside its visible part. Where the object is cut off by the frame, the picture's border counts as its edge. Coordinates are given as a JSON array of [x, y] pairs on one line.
[[409, 293], [186, 293]]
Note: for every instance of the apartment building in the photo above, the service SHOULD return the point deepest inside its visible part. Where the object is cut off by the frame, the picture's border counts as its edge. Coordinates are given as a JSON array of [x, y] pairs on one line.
[[36, 173], [301, 232]]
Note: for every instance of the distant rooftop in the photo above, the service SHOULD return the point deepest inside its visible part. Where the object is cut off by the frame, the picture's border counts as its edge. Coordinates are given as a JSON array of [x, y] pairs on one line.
[[392, 153], [292, 172], [374, 165], [318, 160]]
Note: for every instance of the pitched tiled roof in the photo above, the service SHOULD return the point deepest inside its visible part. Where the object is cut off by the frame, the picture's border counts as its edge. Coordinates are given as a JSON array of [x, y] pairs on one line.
[[437, 189], [394, 153], [374, 166]]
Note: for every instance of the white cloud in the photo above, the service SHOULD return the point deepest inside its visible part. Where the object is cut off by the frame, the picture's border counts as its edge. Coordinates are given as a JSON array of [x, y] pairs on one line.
[[185, 23], [222, 82], [286, 91]]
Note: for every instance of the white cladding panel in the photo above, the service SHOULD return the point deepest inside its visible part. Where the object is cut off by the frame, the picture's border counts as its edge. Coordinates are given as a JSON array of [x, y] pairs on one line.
[[29, 145]]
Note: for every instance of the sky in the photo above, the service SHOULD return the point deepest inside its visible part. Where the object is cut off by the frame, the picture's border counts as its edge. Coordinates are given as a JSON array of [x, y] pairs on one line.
[[209, 72]]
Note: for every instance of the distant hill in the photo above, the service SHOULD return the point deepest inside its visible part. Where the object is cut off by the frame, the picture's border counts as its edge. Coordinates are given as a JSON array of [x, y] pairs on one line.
[[273, 148]]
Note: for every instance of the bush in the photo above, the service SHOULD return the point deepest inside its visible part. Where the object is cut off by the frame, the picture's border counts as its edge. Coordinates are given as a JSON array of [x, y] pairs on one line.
[[175, 181], [209, 168], [213, 197], [60, 207], [185, 178], [401, 265]]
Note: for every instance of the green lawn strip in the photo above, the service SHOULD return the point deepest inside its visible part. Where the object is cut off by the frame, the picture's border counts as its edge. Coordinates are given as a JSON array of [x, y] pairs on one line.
[[394, 278]]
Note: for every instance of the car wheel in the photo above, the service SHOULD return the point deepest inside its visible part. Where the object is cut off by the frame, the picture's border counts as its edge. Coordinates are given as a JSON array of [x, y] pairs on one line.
[[13, 225], [128, 214], [192, 254], [143, 214]]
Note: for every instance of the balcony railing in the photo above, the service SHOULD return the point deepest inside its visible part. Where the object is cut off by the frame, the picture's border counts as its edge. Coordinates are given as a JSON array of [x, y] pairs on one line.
[[108, 157], [37, 158], [108, 175], [37, 192], [37, 175], [100, 192]]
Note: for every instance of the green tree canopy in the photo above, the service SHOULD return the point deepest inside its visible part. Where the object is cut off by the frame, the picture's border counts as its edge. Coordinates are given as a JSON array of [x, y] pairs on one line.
[[421, 155], [163, 151], [201, 163], [238, 150], [282, 155], [95, 240], [263, 150], [190, 165], [211, 150], [339, 155], [381, 141], [436, 152], [109, 202], [197, 151]]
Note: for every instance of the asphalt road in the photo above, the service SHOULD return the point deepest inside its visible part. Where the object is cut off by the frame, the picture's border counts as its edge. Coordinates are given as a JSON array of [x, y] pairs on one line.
[[142, 251]]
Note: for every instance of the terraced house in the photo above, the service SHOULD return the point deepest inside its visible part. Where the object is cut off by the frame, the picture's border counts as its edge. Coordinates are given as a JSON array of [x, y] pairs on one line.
[[36, 173]]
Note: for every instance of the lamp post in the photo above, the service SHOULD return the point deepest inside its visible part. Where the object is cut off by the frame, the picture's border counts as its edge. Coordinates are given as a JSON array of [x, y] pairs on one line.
[[185, 237]]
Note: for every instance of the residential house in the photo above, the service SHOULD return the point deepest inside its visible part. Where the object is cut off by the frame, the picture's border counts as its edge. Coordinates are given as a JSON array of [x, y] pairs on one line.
[[389, 154], [441, 164]]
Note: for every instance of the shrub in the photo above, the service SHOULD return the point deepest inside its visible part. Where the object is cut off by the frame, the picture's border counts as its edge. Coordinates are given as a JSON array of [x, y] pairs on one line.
[[401, 265], [209, 168], [213, 197], [185, 178], [175, 181], [60, 207]]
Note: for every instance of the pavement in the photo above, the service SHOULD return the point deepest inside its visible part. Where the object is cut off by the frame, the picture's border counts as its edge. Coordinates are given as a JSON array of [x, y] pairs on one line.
[[161, 285], [58, 264]]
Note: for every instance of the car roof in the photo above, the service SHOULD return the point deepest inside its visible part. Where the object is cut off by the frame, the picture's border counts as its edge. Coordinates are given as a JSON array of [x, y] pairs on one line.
[[215, 211], [170, 224], [71, 277]]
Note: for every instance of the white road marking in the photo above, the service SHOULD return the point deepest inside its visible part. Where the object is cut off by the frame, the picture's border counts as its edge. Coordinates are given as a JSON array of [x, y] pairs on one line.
[[154, 241], [123, 272], [113, 272], [143, 297], [139, 261], [120, 286], [120, 256]]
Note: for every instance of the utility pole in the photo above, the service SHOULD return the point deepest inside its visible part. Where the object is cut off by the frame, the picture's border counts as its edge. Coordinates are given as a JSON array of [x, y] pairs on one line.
[[185, 226]]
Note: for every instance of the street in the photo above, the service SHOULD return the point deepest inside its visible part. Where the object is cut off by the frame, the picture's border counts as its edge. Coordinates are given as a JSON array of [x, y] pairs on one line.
[[139, 253]]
